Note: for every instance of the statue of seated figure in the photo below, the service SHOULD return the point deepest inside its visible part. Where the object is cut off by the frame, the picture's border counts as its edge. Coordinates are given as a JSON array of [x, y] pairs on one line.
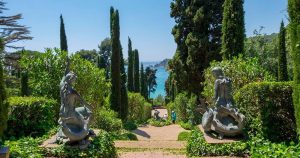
[[74, 122], [224, 118]]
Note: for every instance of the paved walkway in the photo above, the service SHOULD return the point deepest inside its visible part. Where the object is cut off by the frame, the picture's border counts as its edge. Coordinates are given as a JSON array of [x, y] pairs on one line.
[[153, 142]]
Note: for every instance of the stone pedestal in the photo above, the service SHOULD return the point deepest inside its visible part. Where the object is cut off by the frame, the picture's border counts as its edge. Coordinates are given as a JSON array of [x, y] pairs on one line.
[[211, 139], [4, 152]]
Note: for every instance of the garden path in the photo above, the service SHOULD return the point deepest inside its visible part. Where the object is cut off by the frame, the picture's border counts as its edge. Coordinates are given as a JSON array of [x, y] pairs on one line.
[[154, 142]]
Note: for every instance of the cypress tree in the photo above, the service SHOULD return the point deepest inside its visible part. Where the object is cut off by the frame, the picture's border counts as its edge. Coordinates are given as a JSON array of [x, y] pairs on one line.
[[233, 29], [282, 62], [136, 71], [3, 103], [115, 96], [63, 37], [143, 83], [294, 13], [130, 67], [24, 84]]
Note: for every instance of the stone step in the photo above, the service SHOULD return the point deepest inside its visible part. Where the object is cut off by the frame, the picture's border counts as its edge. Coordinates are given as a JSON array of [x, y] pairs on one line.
[[151, 144]]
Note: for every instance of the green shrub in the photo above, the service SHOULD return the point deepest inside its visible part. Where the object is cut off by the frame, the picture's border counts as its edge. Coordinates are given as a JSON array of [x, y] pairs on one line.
[[124, 136], [139, 108], [181, 106], [194, 116], [268, 108], [130, 125], [25, 147], [184, 136], [186, 125], [102, 146], [241, 71], [30, 116], [197, 146], [159, 123], [107, 120]]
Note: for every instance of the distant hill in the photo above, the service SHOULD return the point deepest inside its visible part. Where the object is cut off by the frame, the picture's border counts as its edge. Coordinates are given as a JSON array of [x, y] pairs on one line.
[[163, 63]]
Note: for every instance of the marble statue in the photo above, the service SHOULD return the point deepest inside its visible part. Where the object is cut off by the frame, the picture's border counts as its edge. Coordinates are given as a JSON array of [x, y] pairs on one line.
[[224, 118], [74, 122]]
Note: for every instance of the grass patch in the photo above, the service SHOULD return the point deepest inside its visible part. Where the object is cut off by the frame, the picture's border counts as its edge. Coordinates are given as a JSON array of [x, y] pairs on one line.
[[184, 136]]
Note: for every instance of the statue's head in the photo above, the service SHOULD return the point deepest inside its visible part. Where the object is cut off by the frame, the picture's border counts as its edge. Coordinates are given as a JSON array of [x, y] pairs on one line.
[[71, 77], [217, 72]]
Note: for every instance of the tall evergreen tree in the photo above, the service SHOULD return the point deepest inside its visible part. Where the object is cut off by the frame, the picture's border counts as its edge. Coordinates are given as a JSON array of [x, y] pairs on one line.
[[151, 80], [233, 29], [3, 103], [104, 55], [130, 67], [143, 83], [136, 71], [24, 84], [282, 62], [115, 97], [124, 93], [197, 33], [294, 13], [63, 37]]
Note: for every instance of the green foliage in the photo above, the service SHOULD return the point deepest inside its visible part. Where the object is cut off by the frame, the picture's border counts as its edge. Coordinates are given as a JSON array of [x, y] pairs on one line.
[[124, 136], [184, 136], [294, 31], [197, 146], [139, 108], [268, 108], [233, 29], [261, 148], [104, 55], [130, 125], [24, 84], [107, 120], [197, 33], [30, 116], [101, 146], [181, 106], [282, 61], [240, 71], [194, 116], [136, 72], [63, 37], [130, 70], [143, 80], [186, 125], [159, 100], [115, 95], [25, 147], [3, 102], [90, 55], [124, 93], [150, 75], [159, 123]]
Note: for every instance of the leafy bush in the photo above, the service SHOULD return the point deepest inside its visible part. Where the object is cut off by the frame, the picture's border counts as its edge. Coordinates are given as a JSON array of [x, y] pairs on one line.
[[197, 146], [261, 148], [268, 108], [124, 136], [107, 120], [139, 108], [102, 146], [184, 136], [130, 125], [30, 116], [186, 125], [241, 71], [159, 123], [194, 116], [181, 105]]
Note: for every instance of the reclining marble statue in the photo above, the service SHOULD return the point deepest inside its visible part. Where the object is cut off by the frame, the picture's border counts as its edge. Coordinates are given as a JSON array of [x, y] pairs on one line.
[[224, 118], [74, 122]]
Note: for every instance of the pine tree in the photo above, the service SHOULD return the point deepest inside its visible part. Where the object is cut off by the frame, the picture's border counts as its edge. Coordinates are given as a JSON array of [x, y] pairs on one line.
[[233, 29], [130, 67], [63, 37], [136, 71], [282, 62], [115, 97], [294, 13], [3, 103]]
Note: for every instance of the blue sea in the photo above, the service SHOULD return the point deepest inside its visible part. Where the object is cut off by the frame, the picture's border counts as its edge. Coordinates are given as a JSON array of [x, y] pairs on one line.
[[162, 76]]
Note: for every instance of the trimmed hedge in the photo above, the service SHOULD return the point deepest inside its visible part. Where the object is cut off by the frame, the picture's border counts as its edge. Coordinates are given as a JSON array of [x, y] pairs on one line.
[[269, 111], [30, 116], [197, 146]]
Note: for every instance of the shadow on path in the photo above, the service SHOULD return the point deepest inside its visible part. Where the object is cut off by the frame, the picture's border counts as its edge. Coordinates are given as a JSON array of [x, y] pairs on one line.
[[141, 133]]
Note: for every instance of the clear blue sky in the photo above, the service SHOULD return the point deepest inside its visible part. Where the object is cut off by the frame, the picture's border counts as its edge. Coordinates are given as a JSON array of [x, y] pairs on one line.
[[147, 22]]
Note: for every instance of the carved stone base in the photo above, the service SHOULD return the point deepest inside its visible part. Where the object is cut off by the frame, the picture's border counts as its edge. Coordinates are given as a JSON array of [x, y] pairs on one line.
[[4, 152], [213, 138]]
